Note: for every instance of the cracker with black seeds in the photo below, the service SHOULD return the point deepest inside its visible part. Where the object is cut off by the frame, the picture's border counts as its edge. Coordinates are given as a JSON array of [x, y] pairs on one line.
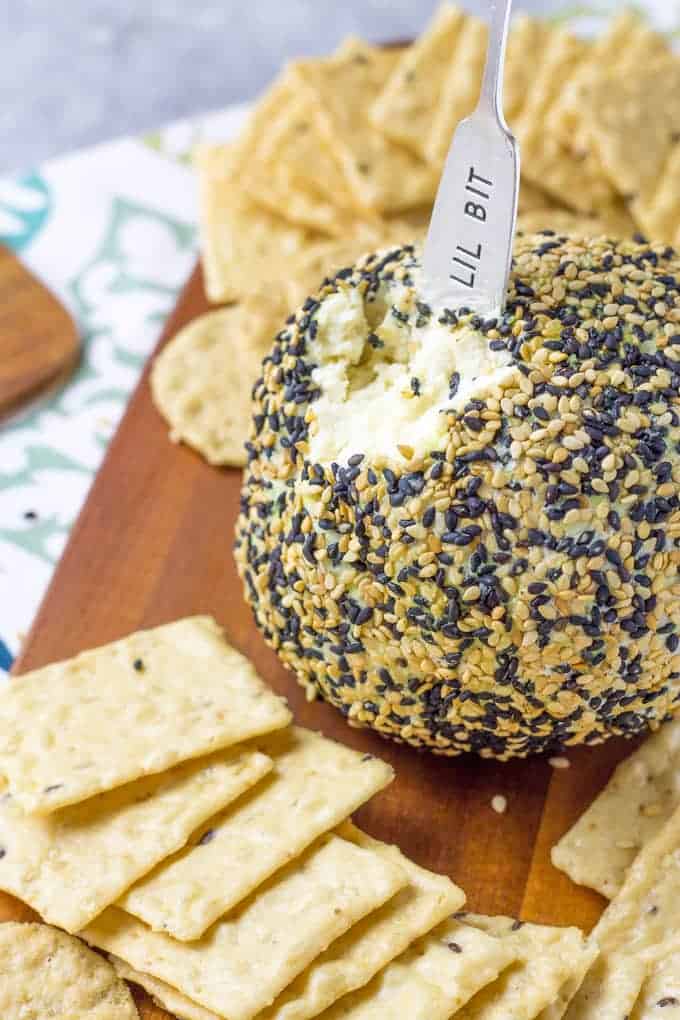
[[634, 806], [546, 959], [114, 714], [432, 980], [404, 109], [639, 929], [634, 124], [315, 785], [628, 42], [460, 91], [296, 916], [289, 167], [352, 961], [243, 244], [576, 180], [383, 176], [54, 862], [528, 37], [660, 995]]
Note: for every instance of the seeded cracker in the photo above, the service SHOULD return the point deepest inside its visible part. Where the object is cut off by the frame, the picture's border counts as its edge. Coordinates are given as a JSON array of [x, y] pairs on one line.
[[290, 168], [314, 786], [45, 973], [163, 995], [639, 929], [628, 43], [637, 802], [382, 175], [660, 996], [432, 980], [242, 244], [575, 180], [297, 915], [404, 109], [201, 380], [460, 91], [114, 714], [528, 37], [634, 147], [353, 960], [546, 958], [558, 1007], [54, 862]]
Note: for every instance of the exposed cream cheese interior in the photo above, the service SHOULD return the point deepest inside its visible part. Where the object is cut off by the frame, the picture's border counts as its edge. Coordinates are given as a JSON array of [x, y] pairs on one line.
[[385, 375]]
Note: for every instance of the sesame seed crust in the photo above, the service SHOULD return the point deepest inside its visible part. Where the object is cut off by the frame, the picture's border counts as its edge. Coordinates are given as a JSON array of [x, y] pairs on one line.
[[515, 590]]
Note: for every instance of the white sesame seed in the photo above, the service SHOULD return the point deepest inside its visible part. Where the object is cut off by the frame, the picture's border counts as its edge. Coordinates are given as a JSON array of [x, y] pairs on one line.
[[559, 763], [499, 803]]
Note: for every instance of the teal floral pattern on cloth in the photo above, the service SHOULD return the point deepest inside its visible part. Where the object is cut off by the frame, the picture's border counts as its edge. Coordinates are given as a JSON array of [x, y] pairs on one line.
[[111, 230], [24, 210]]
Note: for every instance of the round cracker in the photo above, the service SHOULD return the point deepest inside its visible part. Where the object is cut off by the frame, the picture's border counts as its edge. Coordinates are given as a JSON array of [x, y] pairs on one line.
[[202, 380], [46, 973]]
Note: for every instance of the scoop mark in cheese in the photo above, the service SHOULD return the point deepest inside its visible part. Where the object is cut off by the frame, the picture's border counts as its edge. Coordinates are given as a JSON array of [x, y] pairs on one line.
[[367, 404]]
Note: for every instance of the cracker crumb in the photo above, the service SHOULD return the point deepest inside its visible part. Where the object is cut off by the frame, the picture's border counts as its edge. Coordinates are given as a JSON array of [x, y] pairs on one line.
[[559, 762], [499, 803]]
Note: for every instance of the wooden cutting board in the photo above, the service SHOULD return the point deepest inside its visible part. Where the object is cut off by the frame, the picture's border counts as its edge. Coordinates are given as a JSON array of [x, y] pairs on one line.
[[153, 543], [38, 338]]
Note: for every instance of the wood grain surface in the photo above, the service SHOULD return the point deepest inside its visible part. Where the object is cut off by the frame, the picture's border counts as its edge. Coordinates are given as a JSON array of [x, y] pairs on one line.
[[38, 338], [154, 542]]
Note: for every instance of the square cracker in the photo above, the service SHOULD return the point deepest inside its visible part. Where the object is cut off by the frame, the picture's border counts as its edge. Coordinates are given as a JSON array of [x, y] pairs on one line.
[[243, 245], [460, 90], [528, 36], [662, 986], [291, 169], [132, 708], [245, 960], [315, 785], [546, 958], [403, 110], [201, 381], [634, 806], [382, 176], [54, 862], [353, 960], [639, 929], [432, 980], [576, 180], [628, 42], [47, 973], [641, 153], [163, 995]]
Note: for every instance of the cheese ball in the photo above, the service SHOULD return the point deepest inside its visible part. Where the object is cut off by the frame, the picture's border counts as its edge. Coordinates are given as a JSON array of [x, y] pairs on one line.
[[465, 534]]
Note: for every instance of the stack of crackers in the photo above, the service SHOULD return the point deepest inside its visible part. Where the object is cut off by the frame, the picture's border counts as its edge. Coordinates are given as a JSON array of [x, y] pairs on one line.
[[161, 807], [627, 847], [344, 154]]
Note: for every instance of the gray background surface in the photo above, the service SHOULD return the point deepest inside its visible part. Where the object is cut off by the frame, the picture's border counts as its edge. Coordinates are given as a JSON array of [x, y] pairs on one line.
[[74, 72]]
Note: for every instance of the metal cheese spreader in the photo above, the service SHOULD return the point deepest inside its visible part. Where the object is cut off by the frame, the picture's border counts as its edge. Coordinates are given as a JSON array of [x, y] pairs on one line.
[[468, 248]]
